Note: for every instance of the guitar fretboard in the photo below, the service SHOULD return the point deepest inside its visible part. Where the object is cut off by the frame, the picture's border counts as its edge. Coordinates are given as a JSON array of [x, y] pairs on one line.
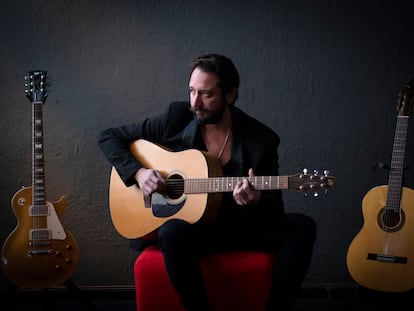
[[227, 184], [38, 174], [397, 164]]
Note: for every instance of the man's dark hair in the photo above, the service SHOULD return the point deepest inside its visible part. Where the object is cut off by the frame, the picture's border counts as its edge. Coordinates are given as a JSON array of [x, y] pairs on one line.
[[223, 67]]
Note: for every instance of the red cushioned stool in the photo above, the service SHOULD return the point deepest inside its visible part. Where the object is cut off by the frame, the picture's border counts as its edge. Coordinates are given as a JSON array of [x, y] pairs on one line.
[[235, 281]]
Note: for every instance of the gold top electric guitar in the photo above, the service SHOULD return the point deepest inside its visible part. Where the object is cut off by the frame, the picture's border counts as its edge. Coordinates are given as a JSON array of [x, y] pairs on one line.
[[39, 253], [381, 256]]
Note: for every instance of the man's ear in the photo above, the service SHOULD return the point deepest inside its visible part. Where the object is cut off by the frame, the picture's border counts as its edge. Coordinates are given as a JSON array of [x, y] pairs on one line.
[[231, 96]]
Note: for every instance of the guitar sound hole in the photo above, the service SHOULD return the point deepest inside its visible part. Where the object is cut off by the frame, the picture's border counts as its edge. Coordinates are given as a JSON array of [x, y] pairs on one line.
[[391, 220], [175, 186]]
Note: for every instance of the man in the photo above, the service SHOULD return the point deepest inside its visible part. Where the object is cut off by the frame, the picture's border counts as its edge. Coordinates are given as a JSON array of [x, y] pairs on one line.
[[248, 219]]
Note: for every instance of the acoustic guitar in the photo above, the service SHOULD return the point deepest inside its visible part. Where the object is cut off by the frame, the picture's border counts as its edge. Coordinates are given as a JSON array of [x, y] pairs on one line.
[[39, 253], [194, 187], [381, 256]]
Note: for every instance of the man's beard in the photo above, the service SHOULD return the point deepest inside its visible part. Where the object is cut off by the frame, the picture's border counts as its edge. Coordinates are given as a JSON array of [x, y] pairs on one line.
[[211, 117]]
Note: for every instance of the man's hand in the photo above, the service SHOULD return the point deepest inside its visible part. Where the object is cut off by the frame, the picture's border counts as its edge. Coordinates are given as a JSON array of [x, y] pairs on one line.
[[244, 193], [150, 181]]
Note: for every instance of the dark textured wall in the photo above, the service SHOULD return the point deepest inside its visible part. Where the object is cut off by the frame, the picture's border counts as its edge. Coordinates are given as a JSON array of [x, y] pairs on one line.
[[325, 75]]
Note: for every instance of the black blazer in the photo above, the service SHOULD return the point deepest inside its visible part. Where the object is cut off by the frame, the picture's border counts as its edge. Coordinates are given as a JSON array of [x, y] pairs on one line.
[[254, 145]]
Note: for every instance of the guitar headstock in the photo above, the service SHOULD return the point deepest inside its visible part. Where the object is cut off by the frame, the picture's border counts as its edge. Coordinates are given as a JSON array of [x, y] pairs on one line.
[[35, 86], [405, 102], [314, 182]]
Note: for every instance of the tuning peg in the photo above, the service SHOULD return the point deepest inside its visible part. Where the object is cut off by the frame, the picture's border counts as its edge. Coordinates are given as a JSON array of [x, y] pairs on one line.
[[315, 194], [305, 171], [326, 172]]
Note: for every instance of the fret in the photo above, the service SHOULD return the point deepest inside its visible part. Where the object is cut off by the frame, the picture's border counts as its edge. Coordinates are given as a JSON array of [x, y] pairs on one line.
[[39, 200]]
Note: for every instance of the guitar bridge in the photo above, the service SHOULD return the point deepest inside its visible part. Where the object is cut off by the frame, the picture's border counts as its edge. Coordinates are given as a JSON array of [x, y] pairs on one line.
[[387, 258], [39, 243]]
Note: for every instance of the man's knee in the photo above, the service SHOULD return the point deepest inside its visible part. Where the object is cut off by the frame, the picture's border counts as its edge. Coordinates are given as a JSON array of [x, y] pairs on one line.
[[173, 230]]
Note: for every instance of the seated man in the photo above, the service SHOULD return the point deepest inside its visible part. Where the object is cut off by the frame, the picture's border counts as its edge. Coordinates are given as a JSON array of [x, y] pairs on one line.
[[248, 219]]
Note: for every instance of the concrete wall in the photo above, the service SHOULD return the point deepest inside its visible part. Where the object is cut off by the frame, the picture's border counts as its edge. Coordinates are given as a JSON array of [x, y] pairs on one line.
[[325, 75]]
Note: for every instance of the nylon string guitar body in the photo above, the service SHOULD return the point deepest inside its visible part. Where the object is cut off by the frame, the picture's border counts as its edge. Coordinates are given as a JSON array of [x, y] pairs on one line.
[[381, 256], [39, 253]]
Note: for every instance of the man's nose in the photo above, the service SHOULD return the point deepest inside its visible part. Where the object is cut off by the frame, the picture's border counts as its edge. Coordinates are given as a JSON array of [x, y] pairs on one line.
[[197, 100]]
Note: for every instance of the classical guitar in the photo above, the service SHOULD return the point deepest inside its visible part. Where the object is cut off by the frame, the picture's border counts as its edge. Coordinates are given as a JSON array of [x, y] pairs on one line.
[[381, 256], [39, 252], [194, 188]]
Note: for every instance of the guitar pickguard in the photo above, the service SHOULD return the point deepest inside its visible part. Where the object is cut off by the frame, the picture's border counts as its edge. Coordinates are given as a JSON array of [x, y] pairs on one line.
[[54, 224], [161, 207]]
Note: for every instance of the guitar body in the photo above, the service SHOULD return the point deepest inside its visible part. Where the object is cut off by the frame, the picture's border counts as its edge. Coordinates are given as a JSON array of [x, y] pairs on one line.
[[129, 213], [53, 263], [384, 259]]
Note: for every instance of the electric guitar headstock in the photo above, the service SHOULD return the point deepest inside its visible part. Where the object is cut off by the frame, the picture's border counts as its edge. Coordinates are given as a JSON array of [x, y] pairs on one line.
[[35, 86], [405, 102]]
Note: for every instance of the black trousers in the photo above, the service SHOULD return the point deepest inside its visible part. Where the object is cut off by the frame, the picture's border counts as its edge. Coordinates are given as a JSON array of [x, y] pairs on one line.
[[183, 244]]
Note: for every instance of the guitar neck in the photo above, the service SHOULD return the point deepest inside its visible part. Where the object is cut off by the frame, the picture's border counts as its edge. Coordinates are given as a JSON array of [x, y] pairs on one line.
[[397, 163], [38, 174], [227, 184], [36, 93]]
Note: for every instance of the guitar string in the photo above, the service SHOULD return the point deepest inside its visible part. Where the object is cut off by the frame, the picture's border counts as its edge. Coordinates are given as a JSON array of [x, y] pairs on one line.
[[36, 221], [263, 182], [399, 141]]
